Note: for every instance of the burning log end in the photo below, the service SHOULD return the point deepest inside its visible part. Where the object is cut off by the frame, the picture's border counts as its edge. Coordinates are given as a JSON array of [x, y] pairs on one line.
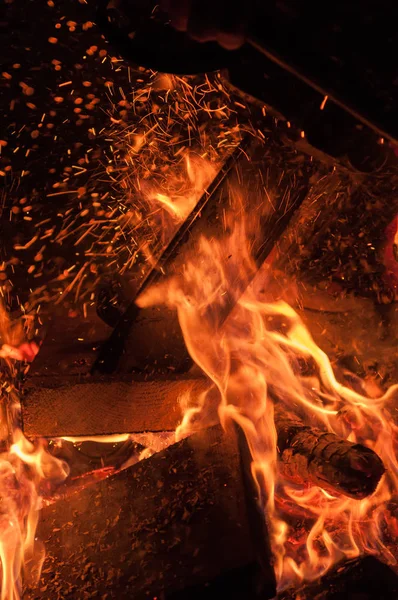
[[325, 459]]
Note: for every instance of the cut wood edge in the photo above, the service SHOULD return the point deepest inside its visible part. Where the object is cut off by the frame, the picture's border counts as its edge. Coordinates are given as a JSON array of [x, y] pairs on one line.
[[101, 408]]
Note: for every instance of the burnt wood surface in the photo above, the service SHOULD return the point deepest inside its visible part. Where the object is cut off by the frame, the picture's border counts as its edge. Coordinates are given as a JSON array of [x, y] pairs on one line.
[[177, 520], [363, 578], [308, 454]]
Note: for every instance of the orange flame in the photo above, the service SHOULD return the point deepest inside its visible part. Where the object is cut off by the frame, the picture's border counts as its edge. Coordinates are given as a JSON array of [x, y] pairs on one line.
[[184, 187], [26, 470], [254, 358]]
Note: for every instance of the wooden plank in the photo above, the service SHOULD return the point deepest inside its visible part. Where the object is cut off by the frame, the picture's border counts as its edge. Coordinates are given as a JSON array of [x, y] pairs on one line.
[[363, 578], [179, 519], [105, 406], [307, 453]]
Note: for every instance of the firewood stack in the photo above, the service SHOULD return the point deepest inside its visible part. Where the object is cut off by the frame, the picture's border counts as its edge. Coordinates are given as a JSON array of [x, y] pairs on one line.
[[184, 523]]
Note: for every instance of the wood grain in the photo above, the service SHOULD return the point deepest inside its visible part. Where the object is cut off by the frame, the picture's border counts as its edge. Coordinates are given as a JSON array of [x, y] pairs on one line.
[[105, 407]]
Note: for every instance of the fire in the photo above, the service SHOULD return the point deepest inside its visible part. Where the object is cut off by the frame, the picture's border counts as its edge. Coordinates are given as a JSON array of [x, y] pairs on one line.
[[254, 360], [27, 470], [184, 188]]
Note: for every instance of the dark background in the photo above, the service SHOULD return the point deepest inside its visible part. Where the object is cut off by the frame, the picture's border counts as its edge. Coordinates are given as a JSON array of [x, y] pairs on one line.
[[46, 141], [58, 139]]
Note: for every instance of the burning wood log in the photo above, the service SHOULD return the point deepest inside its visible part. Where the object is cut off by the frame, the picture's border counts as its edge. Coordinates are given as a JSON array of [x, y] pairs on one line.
[[307, 455], [112, 349], [310, 454], [247, 163], [179, 519], [365, 578]]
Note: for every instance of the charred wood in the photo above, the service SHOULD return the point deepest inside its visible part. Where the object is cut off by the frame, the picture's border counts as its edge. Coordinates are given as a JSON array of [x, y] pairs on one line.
[[307, 454], [241, 583], [363, 578], [177, 520]]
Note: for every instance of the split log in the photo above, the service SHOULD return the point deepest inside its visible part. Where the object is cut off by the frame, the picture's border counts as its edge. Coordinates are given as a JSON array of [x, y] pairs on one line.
[[104, 407], [112, 350], [177, 520], [363, 578], [257, 163], [308, 455]]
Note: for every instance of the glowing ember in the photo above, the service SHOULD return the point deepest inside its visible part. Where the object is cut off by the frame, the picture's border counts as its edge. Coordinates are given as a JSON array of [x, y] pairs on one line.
[[254, 361]]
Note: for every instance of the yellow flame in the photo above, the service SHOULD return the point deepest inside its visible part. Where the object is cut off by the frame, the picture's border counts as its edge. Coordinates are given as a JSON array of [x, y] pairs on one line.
[[102, 439], [255, 352], [24, 468], [183, 187]]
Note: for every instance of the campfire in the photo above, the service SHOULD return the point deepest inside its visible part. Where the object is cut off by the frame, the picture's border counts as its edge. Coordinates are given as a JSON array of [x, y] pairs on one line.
[[276, 470], [203, 424]]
